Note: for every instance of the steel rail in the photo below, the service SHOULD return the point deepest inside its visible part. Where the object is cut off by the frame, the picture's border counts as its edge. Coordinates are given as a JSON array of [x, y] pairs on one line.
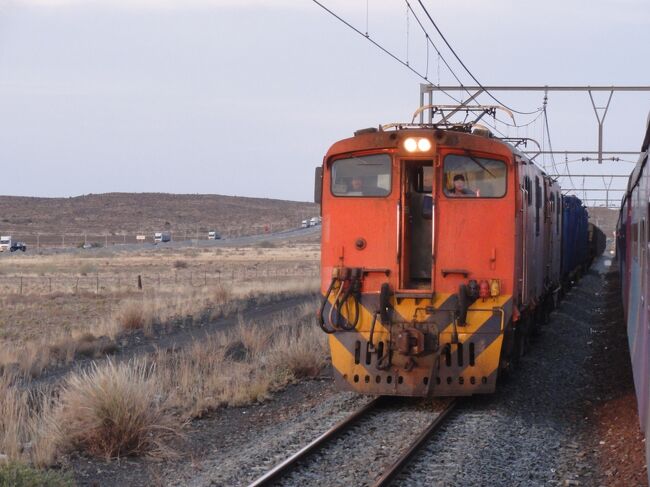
[[331, 433], [389, 475]]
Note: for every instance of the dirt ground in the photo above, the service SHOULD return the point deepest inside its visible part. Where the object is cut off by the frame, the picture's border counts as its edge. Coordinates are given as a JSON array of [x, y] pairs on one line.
[[614, 435]]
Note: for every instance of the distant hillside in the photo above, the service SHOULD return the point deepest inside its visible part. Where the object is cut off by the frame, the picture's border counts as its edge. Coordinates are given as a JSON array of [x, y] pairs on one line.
[[117, 214]]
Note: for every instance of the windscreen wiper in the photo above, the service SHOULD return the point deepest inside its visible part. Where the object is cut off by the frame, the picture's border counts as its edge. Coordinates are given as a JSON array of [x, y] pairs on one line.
[[479, 164]]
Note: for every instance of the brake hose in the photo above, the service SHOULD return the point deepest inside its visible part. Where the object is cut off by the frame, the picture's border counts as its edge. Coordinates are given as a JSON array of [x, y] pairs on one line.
[[335, 305], [353, 290], [321, 311]]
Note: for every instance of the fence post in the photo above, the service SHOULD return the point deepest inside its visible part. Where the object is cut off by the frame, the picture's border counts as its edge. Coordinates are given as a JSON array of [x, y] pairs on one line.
[[50, 279], [97, 287], [21, 285], [139, 282]]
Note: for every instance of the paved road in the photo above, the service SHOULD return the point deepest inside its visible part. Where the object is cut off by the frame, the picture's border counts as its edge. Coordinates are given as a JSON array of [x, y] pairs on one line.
[[284, 235]]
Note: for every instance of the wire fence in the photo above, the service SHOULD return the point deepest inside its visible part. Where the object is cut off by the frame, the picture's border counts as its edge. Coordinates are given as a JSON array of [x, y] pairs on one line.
[[111, 283]]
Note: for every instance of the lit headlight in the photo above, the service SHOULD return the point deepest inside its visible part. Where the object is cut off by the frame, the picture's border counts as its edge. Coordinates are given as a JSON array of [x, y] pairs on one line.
[[424, 145], [417, 144], [411, 145], [495, 288]]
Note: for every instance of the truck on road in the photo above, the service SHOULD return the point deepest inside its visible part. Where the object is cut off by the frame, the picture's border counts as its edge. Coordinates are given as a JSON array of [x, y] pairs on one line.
[[5, 243], [161, 237]]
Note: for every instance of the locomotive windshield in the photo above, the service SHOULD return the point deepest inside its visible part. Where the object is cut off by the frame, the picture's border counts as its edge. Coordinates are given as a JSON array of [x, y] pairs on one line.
[[466, 176], [362, 176]]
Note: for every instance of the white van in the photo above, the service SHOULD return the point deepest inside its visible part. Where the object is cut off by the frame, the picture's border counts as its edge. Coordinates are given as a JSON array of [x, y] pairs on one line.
[[5, 243], [160, 237]]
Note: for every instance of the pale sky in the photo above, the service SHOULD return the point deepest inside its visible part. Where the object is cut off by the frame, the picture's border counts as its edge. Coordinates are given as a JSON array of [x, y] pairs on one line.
[[244, 97]]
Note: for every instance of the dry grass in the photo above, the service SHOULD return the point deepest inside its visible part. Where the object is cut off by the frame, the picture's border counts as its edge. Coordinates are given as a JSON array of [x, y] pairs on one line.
[[62, 302], [138, 407], [26, 433], [252, 361], [142, 313], [134, 315], [115, 410]]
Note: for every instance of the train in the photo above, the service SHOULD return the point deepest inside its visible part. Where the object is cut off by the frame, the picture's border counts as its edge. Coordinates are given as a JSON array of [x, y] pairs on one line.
[[443, 249], [632, 255]]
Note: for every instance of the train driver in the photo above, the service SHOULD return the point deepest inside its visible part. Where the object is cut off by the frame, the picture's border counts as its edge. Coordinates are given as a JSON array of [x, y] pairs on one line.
[[459, 188]]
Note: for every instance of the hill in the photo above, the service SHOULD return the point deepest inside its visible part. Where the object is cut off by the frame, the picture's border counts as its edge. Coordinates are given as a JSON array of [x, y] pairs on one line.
[[117, 217]]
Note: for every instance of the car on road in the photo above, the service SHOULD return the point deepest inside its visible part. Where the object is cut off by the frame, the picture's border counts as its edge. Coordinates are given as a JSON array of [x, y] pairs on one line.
[[213, 235], [18, 246], [305, 224]]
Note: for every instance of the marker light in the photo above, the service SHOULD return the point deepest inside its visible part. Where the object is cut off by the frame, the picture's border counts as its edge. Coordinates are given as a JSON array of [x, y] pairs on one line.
[[483, 289], [410, 144], [424, 145], [495, 288]]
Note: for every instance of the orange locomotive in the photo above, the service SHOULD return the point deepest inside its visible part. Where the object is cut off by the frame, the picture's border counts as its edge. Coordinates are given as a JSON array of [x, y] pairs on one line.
[[440, 253]]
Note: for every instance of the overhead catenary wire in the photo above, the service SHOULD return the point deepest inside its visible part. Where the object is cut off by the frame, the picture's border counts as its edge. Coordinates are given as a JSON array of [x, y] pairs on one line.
[[383, 49], [453, 73], [430, 41], [406, 64], [424, 8], [550, 143]]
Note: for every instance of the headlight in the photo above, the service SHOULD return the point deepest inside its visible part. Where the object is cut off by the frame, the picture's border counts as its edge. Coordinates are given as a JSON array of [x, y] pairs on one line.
[[417, 144], [424, 145], [411, 145]]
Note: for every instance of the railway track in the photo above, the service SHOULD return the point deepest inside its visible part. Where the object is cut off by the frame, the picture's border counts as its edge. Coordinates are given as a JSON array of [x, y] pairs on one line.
[[296, 461]]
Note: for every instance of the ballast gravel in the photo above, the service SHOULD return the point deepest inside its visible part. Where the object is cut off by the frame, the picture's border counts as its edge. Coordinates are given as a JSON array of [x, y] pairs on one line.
[[529, 433]]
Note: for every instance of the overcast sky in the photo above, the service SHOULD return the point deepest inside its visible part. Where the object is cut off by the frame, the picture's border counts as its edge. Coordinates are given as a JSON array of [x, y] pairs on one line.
[[243, 97]]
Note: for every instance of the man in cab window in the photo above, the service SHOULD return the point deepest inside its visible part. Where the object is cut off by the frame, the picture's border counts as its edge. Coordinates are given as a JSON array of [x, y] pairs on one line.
[[459, 188]]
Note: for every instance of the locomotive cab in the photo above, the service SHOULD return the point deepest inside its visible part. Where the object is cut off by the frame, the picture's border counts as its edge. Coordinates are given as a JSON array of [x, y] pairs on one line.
[[421, 260]]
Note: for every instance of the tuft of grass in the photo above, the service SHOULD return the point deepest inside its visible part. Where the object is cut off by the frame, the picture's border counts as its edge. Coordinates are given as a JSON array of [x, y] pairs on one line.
[[221, 295], [115, 410], [180, 264], [25, 424], [133, 316], [266, 244], [301, 352]]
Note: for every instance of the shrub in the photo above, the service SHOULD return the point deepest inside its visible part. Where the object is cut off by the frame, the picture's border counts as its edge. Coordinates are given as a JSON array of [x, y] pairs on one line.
[[265, 244], [180, 264], [115, 410]]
